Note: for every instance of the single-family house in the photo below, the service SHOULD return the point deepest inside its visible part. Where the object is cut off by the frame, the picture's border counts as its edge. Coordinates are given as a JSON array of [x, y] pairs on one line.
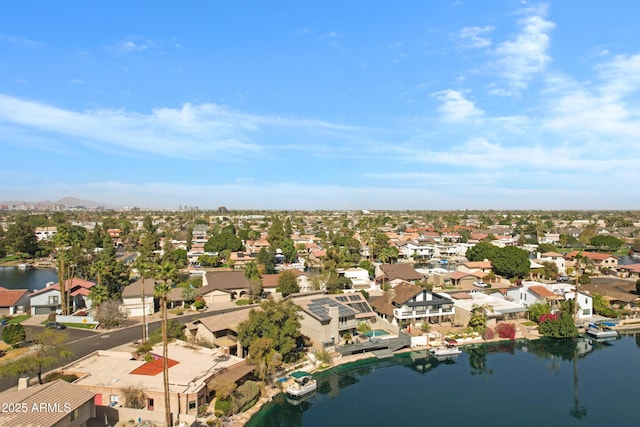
[[220, 331], [386, 273], [107, 374], [554, 257], [408, 306], [138, 298], [596, 261], [474, 266], [14, 301], [359, 279], [48, 299], [495, 306], [221, 286], [325, 318], [553, 294], [56, 404], [46, 233]]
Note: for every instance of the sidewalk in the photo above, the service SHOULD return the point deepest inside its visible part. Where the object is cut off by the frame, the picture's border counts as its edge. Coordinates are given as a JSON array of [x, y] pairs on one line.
[[35, 320]]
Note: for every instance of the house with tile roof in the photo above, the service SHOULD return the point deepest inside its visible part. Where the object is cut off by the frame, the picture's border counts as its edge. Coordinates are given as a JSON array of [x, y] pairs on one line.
[[56, 404], [552, 294], [599, 261], [14, 301], [48, 299], [500, 308], [408, 306], [219, 331], [270, 281]]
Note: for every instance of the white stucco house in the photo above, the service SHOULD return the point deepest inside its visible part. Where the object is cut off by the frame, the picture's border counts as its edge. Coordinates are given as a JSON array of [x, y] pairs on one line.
[[138, 299]]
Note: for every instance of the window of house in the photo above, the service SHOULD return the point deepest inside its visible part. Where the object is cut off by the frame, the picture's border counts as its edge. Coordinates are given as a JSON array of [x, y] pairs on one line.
[[113, 399], [53, 300], [192, 405], [74, 415], [586, 312]]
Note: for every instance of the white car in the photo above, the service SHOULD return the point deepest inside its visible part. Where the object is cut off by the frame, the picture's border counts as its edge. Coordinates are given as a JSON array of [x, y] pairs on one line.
[[479, 284]]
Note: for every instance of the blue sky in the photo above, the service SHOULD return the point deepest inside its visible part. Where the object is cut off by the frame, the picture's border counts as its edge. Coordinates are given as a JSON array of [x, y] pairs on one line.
[[322, 105]]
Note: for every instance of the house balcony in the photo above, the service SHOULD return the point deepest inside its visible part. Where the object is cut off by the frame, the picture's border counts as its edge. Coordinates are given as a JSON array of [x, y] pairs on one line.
[[400, 313]]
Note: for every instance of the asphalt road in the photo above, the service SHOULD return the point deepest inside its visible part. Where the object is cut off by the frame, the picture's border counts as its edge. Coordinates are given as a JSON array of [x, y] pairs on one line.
[[83, 342]]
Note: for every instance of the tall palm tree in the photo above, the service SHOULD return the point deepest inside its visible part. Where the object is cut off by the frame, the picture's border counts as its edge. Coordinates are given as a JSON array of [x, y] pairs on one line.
[[167, 273]]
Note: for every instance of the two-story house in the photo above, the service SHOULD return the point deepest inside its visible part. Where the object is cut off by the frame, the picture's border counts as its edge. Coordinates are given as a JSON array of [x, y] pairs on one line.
[[408, 306]]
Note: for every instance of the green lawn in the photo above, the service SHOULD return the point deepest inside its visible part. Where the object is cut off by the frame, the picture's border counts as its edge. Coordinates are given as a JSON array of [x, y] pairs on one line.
[[18, 319]]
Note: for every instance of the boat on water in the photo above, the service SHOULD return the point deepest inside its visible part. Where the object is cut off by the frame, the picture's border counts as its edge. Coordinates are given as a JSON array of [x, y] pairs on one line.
[[24, 266], [303, 383], [448, 351], [600, 331]]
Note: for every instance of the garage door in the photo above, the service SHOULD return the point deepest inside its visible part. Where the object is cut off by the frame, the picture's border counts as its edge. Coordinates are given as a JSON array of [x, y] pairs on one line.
[[44, 310]]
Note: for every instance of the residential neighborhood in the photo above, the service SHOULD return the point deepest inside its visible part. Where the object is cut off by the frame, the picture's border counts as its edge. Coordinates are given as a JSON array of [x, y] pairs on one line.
[[335, 286]]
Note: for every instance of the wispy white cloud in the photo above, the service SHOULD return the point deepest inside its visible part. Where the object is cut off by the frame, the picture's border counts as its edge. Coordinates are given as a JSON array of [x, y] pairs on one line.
[[186, 132], [455, 107], [475, 36], [77, 81], [21, 42], [332, 38], [520, 59]]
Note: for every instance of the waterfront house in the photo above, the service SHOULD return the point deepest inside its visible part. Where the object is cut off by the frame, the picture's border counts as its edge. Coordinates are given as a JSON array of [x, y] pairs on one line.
[[408, 306], [552, 294], [48, 299], [14, 301], [108, 374], [219, 331], [497, 308], [597, 261], [325, 318]]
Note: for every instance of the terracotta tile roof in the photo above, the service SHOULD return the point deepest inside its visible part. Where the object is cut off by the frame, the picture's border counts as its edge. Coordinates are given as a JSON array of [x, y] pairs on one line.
[[80, 291], [56, 394], [403, 292], [551, 255], [9, 297], [543, 292], [153, 368], [591, 255], [478, 264]]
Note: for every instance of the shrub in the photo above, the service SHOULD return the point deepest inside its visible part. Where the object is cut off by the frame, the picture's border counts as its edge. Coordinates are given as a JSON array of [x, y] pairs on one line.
[[60, 375], [224, 406], [488, 334], [13, 333], [506, 330], [199, 303]]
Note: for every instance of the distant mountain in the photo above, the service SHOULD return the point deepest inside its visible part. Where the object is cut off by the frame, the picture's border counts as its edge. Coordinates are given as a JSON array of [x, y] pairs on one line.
[[69, 202]]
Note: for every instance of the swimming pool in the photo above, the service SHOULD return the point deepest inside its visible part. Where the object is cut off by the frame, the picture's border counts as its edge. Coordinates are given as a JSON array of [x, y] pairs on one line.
[[376, 333]]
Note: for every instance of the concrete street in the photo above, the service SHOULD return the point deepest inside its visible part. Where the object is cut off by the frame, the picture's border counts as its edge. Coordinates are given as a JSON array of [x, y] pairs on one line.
[[83, 342]]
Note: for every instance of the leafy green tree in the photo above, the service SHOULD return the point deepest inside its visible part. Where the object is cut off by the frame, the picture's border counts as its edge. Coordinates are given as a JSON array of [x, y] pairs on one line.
[[601, 306], [288, 283], [209, 260], [109, 271], [278, 321], [481, 251], [99, 294], [189, 295], [511, 262], [266, 258], [560, 327], [550, 270], [251, 270], [223, 241], [606, 242], [47, 350], [266, 359], [13, 334], [547, 247], [478, 319], [21, 237], [367, 265], [538, 309]]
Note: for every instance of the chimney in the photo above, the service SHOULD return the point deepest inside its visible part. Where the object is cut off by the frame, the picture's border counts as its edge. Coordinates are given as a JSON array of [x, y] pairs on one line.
[[23, 382], [49, 284]]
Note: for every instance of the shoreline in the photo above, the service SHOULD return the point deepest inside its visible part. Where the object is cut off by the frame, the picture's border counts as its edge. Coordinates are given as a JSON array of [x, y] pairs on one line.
[[242, 419]]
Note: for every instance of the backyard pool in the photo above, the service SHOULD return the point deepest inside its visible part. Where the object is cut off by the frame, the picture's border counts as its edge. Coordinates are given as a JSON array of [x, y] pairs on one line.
[[376, 333]]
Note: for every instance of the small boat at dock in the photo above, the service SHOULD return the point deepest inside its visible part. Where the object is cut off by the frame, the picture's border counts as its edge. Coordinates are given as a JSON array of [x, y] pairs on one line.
[[444, 352], [600, 331], [303, 383]]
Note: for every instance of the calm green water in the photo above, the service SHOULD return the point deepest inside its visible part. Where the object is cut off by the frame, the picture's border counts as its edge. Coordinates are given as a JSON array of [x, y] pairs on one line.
[[537, 383]]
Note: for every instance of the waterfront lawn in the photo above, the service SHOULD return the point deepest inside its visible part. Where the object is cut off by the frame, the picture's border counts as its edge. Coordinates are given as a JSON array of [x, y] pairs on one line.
[[9, 259]]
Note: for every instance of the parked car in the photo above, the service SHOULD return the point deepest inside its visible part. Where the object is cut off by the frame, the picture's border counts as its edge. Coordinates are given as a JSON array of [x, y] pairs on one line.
[[562, 278], [479, 284], [55, 325]]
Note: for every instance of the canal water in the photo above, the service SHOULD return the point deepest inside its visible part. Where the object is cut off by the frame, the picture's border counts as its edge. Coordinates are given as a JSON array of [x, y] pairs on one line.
[[31, 278], [530, 383]]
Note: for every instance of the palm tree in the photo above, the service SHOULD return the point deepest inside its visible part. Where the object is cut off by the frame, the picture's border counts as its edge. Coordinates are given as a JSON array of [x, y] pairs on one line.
[[167, 273]]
